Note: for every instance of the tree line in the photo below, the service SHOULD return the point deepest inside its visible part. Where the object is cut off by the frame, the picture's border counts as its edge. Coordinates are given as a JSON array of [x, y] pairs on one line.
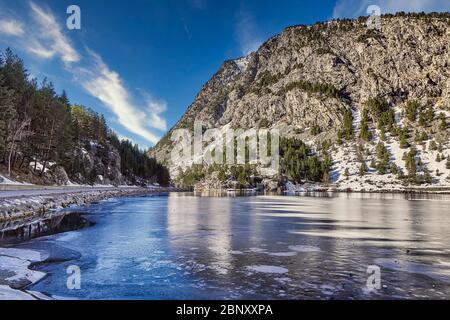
[[39, 125]]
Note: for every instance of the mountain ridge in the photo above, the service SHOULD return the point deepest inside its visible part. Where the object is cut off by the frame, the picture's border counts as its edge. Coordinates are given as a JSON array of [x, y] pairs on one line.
[[308, 81]]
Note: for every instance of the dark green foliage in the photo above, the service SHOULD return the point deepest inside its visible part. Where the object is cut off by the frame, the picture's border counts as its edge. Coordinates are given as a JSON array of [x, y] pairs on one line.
[[322, 88], [264, 81], [365, 133], [383, 157], [8, 113], [340, 136], [347, 173], [394, 169], [192, 175], [420, 137], [37, 123], [315, 130], [383, 134], [348, 125], [263, 123], [377, 106], [370, 34], [402, 137], [426, 176], [323, 51], [442, 122], [426, 117], [382, 152], [136, 163], [381, 113], [300, 163], [363, 169], [411, 110], [411, 164], [433, 145], [244, 175], [222, 176]]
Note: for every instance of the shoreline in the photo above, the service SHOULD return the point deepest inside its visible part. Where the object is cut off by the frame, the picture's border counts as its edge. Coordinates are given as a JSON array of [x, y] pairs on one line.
[[16, 205], [318, 189], [22, 273], [19, 261], [22, 258]]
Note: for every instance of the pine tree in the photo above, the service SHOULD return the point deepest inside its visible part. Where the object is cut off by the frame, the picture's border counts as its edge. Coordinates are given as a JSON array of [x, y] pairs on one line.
[[411, 110], [8, 114], [394, 169], [433, 145], [365, 133], [348, 125], [402, 138], [411, 165], [38, 125], [443, 122], [427, 176], [363, 169], [346, 173]]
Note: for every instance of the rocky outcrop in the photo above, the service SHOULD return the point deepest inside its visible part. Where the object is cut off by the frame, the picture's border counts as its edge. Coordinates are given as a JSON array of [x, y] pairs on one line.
[[303, 80], [98, 164]]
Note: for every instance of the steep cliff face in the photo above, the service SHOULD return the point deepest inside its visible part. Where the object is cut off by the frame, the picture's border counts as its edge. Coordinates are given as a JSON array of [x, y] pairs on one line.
[[98, 164], [304, 80], [91, 163]]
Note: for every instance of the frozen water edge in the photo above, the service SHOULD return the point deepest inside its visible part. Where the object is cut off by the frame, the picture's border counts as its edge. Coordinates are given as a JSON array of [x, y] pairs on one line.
[[15, 274]]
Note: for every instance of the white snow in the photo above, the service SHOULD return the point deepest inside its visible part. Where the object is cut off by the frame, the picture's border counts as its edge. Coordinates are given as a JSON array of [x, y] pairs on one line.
[[17, 262], [345, 158], [242, 63], [40, 166], [25, 254], [6, 293], [6, 181]]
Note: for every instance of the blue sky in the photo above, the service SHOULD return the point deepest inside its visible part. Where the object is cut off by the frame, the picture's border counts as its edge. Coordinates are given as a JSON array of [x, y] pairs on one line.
[[141, 62]]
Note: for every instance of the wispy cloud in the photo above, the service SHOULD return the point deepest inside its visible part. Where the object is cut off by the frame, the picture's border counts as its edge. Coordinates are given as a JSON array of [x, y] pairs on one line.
[[106, 85], [247, 34], [155, 109], [355, 8], [44, 38], [11, 28], [49, 35]]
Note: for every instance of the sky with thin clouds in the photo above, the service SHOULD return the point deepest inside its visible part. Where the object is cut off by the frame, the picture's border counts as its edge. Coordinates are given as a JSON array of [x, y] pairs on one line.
[[140, 62]]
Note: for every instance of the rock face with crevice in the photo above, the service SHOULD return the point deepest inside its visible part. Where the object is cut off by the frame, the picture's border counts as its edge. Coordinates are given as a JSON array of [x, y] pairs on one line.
[[308, 76]]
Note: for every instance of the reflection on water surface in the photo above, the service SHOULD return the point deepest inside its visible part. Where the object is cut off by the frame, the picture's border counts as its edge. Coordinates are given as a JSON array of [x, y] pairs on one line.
[[260, 247]]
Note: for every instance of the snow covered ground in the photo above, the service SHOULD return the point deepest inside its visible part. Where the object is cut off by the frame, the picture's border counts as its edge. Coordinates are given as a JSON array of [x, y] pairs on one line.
[[345, 159], [14, 263], [6, 181]]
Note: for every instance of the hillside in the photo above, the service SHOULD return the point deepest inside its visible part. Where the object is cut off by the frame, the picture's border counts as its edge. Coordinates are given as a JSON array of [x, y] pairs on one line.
[[46, 140], [377, 103]]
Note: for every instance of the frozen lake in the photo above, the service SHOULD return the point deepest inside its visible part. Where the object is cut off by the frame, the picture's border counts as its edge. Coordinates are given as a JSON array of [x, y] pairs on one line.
[[264, 247]]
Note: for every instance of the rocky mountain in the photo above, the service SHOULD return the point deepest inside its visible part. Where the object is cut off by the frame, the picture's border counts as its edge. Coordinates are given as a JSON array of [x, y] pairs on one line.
[[370, 99], [93, 163]]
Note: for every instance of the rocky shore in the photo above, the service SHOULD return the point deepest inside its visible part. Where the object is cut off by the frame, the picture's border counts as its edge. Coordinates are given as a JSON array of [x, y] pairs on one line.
[[26, 216], [19, 207]]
